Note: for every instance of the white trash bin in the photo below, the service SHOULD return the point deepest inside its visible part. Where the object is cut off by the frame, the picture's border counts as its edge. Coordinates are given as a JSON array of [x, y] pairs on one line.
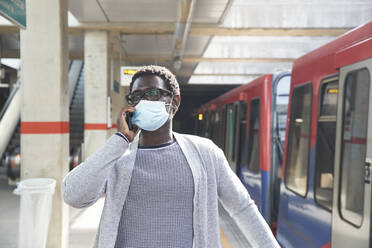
[[35, 210]]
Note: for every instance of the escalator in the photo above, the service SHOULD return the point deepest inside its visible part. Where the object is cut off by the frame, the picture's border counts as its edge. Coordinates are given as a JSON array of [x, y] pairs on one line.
[[10, 122], [76, 116]]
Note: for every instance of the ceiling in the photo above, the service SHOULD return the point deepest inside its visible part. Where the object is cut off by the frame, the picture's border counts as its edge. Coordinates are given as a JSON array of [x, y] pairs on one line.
[[222, 41], [228, 38]]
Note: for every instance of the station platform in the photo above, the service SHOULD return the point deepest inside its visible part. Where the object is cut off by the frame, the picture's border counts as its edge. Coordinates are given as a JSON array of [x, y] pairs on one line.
[[84, 222]]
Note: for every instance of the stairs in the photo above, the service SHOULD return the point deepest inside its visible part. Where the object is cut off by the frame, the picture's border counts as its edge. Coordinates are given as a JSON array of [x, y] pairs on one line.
[[77, 113]]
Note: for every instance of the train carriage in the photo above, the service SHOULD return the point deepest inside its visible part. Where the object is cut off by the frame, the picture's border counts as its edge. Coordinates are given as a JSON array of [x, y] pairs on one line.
[[248, 123], [325, 196]]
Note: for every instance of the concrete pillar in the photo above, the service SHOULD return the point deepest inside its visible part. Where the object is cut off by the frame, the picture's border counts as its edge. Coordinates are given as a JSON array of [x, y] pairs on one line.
[[97, 77], [45, 107]]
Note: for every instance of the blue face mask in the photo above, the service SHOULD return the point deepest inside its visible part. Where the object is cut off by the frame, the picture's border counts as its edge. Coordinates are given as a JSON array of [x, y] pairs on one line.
[[150, 115]]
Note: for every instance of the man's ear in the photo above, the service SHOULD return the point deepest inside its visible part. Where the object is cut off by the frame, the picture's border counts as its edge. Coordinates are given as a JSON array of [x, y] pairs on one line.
[[176, 102]]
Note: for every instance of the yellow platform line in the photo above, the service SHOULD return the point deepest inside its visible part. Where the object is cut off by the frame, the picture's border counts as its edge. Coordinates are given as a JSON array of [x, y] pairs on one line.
[[225, 242]]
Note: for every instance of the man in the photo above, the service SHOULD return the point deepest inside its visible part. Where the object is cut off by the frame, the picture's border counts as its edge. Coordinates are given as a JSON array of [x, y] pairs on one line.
[[162, 188]]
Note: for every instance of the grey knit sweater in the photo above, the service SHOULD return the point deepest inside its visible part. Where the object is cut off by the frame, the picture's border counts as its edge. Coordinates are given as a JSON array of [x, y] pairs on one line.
[[158, 209], [108, 172]]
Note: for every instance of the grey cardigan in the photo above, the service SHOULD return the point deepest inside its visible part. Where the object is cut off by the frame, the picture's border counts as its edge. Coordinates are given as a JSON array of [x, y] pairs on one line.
[[108, 172]]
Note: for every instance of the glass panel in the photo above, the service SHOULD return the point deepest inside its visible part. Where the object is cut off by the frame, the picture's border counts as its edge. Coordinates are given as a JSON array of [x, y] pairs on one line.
[[298, 140], [325, 145], [280, 122], [229, 132], [207, 124], [242, 133], [282, 97], [355, 123], [325, 148], [254, 136], [280, 110], [201, 125], [212, 125], [328, 106], [235, 129], [222, 127]]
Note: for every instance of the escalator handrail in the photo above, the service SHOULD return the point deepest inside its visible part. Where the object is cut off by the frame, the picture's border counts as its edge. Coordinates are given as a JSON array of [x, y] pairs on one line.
[[10, 98]]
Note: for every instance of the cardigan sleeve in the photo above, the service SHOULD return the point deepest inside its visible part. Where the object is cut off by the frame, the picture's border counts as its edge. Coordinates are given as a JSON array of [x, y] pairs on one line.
[[86, 183], [236, 200]]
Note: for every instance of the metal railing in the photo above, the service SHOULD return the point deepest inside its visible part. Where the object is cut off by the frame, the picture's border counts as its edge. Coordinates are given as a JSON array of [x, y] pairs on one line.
[[10, 98]]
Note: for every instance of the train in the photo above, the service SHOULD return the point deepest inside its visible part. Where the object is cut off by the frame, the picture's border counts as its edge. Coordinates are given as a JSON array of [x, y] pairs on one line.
[[300, 142]]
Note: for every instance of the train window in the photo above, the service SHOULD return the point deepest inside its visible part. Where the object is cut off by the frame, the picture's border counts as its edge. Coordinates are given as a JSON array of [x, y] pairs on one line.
[[281, 106], [325, 143], [201, 126], [217, 132], [205, 124], [223, 128], [254, 136], [227, 128], [235, 127], [213, 126], [298, 140], [353, 150], [229, 116], [328, 106], [242, 133], [279, 122]]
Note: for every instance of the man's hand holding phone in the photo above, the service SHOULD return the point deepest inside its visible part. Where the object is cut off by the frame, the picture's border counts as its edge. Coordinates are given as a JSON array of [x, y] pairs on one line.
[[122, 124]]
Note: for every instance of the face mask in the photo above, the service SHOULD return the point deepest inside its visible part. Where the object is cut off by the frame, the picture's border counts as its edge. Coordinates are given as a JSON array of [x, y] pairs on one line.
[[150, 115]]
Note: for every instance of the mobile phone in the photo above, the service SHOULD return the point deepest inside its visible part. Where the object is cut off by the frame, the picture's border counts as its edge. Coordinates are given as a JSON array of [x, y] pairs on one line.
[[128, 119]]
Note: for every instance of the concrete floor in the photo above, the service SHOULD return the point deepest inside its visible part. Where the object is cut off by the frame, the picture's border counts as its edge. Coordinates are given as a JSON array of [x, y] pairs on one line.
[[9, 211], [83, 222]]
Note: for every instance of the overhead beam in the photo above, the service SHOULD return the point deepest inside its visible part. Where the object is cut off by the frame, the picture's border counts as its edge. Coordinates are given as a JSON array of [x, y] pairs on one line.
[[14, 54], [207, 30], [193, 59], [196, 30], [164, 59], [221, 31], [125, 28], [188, 74], [255, 60]]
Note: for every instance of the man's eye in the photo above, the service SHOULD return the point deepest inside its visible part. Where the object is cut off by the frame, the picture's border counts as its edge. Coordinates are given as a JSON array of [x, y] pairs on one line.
[[136, 96], [154, 92]]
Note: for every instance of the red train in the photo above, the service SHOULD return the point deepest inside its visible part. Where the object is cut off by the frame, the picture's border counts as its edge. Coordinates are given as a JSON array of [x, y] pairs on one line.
[[325, 181]]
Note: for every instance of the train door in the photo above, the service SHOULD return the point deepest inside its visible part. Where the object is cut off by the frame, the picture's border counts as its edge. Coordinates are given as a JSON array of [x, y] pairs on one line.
[[351, 215], [250, 171], [308, 185], [280, 96], [294, 189]]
